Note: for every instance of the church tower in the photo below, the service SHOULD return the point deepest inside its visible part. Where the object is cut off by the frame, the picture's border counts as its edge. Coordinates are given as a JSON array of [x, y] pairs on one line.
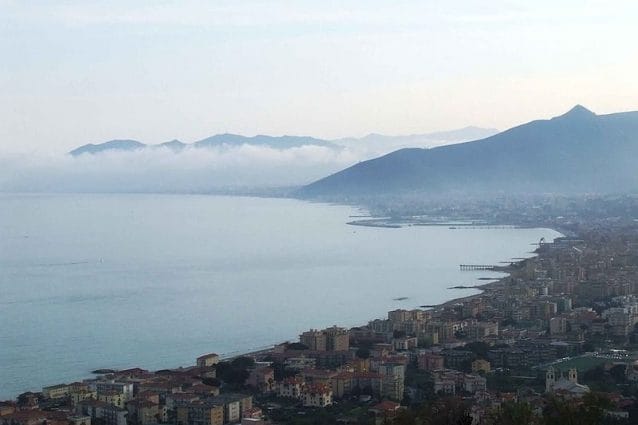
[[573, 375], [550, 379]]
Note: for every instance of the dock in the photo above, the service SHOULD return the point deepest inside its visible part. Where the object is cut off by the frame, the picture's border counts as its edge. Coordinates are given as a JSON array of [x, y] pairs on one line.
[[472, 267]]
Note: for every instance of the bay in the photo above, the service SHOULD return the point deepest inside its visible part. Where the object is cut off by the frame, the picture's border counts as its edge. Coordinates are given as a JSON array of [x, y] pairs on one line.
[[93, 281]]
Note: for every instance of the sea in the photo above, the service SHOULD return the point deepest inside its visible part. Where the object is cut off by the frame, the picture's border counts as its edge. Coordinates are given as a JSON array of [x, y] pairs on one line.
[[92, 281]]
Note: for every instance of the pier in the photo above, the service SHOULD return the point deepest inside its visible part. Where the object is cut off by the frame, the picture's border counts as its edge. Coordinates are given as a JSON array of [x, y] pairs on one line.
[[472, 267]]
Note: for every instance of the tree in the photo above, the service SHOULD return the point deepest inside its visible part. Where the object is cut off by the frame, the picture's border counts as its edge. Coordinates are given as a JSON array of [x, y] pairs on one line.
[[445, 411], [235, 372], [398, 334], [363, 353], [297, 346], [588, 411], [479, 348], [513, 413]]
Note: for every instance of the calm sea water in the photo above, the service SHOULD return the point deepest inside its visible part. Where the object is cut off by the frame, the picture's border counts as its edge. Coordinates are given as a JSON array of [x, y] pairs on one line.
[[93, 281]]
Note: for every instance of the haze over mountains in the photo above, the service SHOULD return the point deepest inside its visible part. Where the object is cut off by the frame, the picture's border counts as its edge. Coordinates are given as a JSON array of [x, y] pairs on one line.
[[378, 143], [381, 142], [578, 152], [224, 163]]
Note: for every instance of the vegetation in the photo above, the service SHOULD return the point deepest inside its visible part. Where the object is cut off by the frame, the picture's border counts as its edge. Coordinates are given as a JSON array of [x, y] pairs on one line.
[[234, 373], [590, 410]]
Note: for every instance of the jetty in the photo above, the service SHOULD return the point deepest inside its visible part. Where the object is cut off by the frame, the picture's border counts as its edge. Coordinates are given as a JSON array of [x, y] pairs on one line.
[[472, 267]]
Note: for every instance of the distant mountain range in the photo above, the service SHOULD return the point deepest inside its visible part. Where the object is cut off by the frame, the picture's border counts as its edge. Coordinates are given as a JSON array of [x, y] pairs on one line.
[[578, 152], [219, 140], [371, 142]]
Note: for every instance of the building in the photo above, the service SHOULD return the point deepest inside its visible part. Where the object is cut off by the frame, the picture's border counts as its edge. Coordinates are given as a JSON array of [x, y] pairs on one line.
[[481, 365], [56, 391], [557, 326], [346, 382], [290, 387], [313, 339], [112, 397], [208, 360], [142, 412], [444, 385], [429, 361], [199, 413], [106, 413], [123, 388], [452, 381], [235, 405], [393, 380], [82, 394], [474, 383], [317, 395], [79, 420], [337, 339], [173, 401], [318, 376], [330, 339], [404, 344], [299, 363], [564, 385], [458, 359], [204, 390]]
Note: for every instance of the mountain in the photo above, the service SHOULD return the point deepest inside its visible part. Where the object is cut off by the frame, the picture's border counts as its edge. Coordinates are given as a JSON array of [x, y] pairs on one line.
[[381, 141], [112, 145], [578, 152], [174, 145], [375, 143], [219, 140]]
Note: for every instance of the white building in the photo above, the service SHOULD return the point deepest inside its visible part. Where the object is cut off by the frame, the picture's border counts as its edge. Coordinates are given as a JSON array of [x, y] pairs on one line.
[[290, 388], [562, 384]]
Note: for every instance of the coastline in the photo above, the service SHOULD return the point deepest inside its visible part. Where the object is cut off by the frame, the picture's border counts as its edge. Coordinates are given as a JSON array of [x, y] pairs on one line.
[[481, 288]]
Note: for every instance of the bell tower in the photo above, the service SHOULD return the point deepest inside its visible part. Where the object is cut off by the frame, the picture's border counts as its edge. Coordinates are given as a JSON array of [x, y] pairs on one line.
[[550, 379], [573, 375]]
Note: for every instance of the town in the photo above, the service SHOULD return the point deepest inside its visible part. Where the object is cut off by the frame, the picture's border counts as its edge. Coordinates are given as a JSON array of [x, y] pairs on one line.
[[556, 336]]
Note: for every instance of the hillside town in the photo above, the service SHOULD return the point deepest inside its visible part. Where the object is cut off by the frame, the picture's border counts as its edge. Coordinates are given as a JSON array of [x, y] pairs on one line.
[[556, 336]]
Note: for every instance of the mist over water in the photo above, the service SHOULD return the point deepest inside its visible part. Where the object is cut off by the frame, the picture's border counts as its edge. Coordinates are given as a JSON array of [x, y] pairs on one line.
[[91, 281], [218, 168], [162, 170]]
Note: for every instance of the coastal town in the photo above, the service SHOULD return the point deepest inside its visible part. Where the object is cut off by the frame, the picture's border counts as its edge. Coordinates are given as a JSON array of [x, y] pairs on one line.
[[556, 336]]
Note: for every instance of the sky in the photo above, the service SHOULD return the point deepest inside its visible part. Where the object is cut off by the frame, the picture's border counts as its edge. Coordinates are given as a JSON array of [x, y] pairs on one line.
[[75, 72]]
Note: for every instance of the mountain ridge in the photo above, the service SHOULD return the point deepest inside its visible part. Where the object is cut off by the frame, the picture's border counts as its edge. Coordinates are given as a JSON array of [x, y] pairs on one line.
[[578, 151], [279, 142]]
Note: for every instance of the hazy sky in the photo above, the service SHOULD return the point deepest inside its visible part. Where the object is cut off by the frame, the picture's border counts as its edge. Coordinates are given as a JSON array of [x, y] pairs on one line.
[[88, 71]]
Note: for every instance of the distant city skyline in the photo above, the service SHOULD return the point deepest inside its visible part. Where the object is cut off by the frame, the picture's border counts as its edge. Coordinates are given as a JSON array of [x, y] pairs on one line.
[[86, 72]]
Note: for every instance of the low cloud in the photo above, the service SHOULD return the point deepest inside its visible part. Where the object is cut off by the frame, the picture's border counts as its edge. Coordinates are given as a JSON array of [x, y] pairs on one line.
[[245, 167]]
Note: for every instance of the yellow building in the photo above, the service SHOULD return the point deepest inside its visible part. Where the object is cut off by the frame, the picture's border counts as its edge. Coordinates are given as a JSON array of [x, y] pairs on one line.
[[481, 366], [56, 391], [81, 395], [200, 413], [112, 397]]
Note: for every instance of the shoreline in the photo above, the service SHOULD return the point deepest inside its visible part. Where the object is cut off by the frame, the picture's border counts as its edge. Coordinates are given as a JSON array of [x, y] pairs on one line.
[[482, 288]]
